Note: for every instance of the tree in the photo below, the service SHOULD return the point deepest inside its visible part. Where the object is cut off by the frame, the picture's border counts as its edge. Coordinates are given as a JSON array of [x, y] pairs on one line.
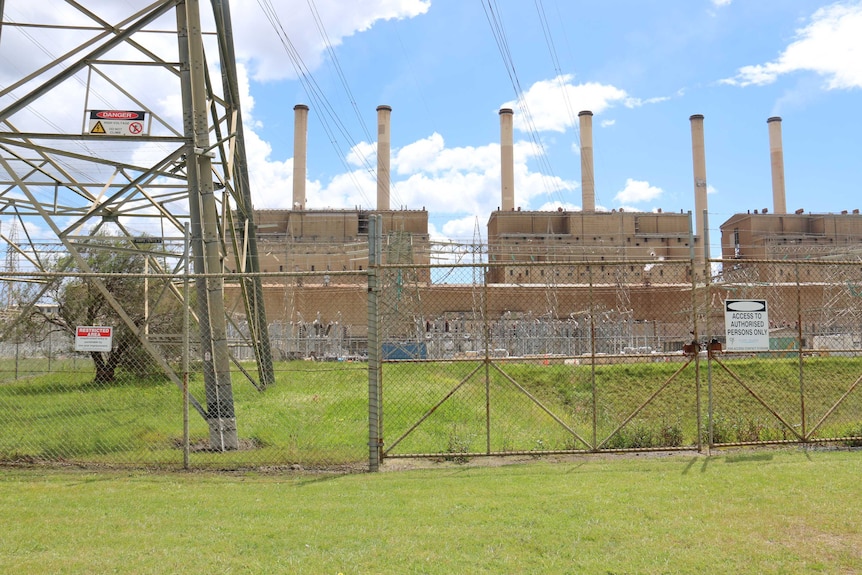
[[80, 301]]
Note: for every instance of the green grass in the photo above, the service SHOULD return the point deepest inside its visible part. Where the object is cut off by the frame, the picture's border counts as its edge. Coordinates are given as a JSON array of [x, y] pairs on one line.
[[765, 512], [316, 414]]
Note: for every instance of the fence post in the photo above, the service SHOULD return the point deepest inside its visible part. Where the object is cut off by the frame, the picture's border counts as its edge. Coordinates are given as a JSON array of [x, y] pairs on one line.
[[374, 369], [185, 345], [799, 354], [593, 362], [708, 282], [486, 327]]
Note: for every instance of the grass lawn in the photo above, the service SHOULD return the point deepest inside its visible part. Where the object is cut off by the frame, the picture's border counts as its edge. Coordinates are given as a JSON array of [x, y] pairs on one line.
[[765, 511]]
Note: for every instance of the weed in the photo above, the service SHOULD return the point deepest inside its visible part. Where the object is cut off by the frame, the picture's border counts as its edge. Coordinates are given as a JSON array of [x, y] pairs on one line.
[[855, 433], [634, 437], [669, 435], [457, 446]]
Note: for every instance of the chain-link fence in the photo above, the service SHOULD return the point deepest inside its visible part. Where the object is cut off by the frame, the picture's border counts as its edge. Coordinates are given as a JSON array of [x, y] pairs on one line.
[[627, 355], [167, 386], [433, 360]]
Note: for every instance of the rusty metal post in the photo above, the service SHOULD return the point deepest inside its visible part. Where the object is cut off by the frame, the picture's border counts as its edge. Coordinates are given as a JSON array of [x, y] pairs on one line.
[[375, 415]]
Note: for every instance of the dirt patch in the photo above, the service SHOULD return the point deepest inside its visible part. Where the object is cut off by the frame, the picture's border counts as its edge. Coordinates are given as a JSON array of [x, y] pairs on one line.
[[410, 463]]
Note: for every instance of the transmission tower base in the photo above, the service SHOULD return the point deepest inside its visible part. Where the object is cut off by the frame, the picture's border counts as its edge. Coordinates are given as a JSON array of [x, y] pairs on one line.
[[223, 435]]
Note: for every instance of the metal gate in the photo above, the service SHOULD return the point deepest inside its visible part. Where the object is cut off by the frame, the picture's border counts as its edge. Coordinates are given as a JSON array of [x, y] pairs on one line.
[[603, 365]]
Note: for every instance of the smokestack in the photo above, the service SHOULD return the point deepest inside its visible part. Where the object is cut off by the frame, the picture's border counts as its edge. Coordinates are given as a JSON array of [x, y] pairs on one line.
[[300, 154], [588, 180], [776, 159], [384, 144], [698, 154], [507, 159]]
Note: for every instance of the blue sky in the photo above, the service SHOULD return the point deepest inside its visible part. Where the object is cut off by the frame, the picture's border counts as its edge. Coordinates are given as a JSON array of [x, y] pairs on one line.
[[642, 66]]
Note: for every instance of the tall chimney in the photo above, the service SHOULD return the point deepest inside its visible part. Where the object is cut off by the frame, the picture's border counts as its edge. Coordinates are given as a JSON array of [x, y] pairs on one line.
[[776, 159], [588, 180], [300, 155], [384, 144], [698, 154], [507, 159]]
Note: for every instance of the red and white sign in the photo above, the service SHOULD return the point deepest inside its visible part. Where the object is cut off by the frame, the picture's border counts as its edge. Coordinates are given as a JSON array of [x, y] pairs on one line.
[[93, 338], [117, 122], [117, 115]]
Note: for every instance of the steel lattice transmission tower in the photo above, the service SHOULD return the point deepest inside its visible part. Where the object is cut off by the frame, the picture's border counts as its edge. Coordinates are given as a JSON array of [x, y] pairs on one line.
[[113, 121]]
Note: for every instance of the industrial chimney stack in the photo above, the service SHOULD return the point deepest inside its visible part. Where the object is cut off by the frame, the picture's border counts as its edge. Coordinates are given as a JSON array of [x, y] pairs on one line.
[[300, 155], [698, 154], [776, 158], [507, 159], [384, 145], [588, 181]]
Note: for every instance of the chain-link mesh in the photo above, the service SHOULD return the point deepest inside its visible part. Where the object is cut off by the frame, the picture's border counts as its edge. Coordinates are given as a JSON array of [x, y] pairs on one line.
[[592, 356], [127, 406], [626, 355]]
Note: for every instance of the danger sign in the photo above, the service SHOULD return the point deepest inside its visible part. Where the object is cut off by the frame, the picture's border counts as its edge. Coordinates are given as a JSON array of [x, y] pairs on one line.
[[93, 338], [117, 122]]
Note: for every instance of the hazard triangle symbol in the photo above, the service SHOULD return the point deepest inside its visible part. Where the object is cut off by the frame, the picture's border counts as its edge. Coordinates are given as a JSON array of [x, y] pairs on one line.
[[98, 128]]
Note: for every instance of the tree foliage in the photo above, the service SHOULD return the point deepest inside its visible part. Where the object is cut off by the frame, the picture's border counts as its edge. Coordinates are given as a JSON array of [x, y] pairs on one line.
[[80, 301]]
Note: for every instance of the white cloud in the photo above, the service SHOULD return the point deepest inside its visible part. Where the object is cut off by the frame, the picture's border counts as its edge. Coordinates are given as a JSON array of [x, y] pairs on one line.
[[720, 3], [553, 105], [638, 102], [363, 154], [264, 50], [463, 228], [828, 46], [556, 205], [430, 155], [637, 191], [607, 123], [425, 173]]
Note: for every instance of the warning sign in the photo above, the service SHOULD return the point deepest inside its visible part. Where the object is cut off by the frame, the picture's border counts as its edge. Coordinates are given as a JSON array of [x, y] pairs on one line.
[[117, 122], [746, 325], [93, 338]]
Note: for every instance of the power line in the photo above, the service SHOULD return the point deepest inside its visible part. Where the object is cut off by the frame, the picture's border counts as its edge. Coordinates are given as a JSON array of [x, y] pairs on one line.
[[495, 21], [552, 50], [329, 117]]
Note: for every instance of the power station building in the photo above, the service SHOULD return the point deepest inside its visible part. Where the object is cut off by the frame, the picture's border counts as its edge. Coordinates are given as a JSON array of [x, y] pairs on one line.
[[757, 244], [543, 262], [303, 240], [517, 239]]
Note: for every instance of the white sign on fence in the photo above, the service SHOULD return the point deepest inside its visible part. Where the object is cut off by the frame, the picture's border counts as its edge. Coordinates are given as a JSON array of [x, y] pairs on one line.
[[93, 338], [746, 325]]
